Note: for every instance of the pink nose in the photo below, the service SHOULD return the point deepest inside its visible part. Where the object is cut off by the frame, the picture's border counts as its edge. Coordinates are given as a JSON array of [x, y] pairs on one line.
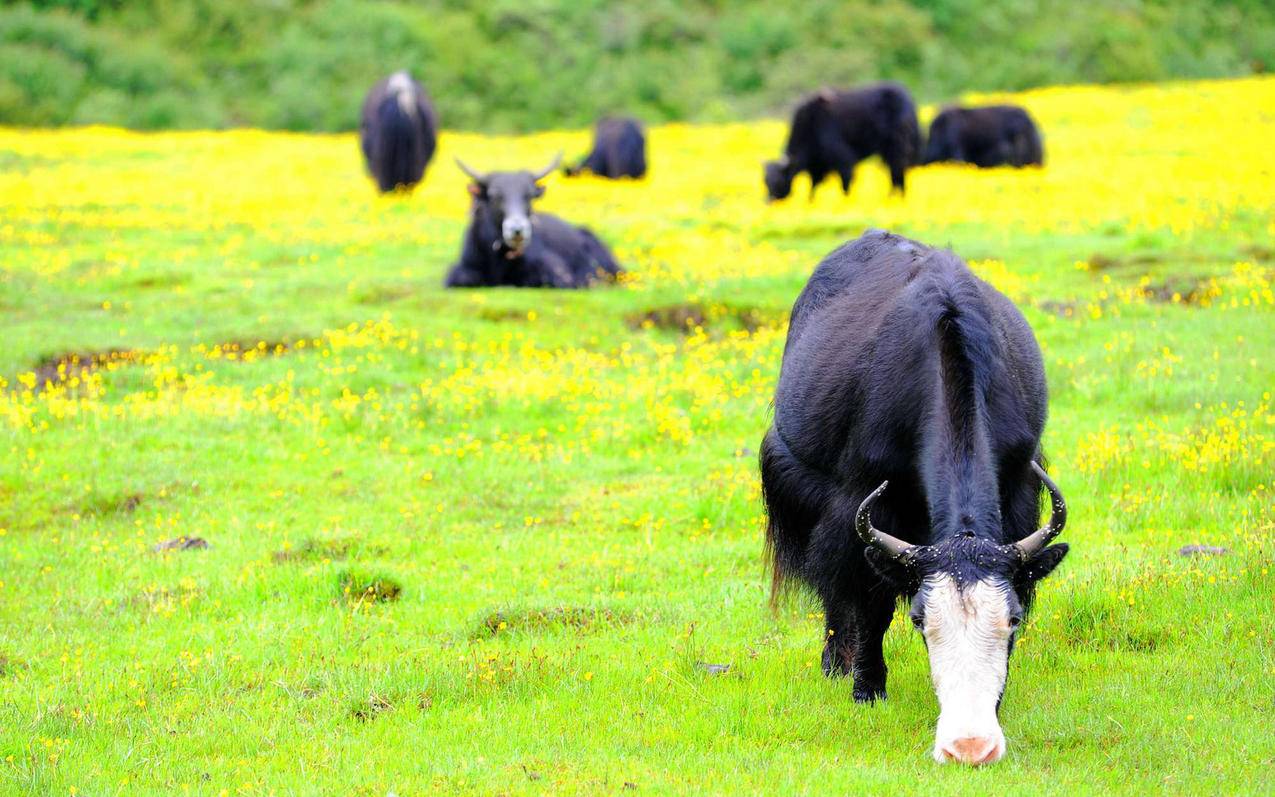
[[973, 750]]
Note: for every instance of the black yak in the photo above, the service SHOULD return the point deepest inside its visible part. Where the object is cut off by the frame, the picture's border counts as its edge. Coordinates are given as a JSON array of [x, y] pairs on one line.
[[398, 132], [995, 135], [833, 130], [507, 244], [619, 150], [903, 464]]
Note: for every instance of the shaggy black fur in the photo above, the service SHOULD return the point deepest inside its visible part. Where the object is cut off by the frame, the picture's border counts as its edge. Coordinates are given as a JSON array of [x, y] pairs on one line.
[[398, 132], [833, 130], [507, 244], [995, 135], [900, 364], [619, 150]]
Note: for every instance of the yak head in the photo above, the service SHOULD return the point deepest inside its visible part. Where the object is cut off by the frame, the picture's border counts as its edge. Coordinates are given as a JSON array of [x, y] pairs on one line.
[[969, 599], [506, 198], [778, 175]]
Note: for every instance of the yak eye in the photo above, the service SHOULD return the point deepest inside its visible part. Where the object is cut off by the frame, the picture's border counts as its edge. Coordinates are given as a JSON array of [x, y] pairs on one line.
[[918, 622], [1015, 620]]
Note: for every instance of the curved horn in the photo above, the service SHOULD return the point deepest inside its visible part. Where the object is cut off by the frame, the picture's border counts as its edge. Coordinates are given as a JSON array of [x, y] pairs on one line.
[[477, 177], [891, 546], [1031, 545], [553, 164]]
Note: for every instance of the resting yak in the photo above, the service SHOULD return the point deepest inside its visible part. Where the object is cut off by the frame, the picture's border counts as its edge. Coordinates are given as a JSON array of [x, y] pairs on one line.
[[398, 132], [619, 150], [903, 464], [507, 244], [833, 130], [995, 135]]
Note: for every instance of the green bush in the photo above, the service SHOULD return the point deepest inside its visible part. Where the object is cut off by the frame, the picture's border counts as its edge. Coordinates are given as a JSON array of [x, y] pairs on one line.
[[510, 65]]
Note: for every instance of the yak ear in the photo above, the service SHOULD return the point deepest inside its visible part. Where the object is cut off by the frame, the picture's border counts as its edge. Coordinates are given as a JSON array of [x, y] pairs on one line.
[[891, 570], [1043, 563], [477, 191], [827, 95], [538, 191]]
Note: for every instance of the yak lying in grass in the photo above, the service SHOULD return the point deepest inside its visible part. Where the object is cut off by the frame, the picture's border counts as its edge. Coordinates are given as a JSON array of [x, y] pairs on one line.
[[833, 130], [995, 135], [507, 244], [902, 464], [398, 132], [619, 150]]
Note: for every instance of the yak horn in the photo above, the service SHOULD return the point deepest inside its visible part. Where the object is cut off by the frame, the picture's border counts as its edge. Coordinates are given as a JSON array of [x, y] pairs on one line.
[[1033, 544], [891, 546], [553, 164], [477, 177]]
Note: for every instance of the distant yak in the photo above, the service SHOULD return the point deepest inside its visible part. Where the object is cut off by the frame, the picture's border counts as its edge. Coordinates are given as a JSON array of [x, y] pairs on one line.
[[833, 130], [398, 132], [995, 135], [619, 150], [507, 244]]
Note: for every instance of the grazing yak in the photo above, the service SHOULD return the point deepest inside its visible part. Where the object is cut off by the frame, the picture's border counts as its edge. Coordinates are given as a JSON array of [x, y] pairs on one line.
[[398, 132], [903, 464], [995, 135], [833, 130], [619, 150], [507, 244]]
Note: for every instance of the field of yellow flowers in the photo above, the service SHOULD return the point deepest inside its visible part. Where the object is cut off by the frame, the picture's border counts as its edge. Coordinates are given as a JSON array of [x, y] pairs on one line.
[[279, 515]]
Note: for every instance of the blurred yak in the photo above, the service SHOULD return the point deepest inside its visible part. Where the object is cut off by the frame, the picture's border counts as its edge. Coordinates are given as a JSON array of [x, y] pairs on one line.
[[398, 132], [995, 135], [507, 244], [619, 150], [833, 130]]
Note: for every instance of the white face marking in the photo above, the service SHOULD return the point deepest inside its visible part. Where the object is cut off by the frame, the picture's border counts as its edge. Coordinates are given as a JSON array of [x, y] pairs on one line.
[[967, 633]]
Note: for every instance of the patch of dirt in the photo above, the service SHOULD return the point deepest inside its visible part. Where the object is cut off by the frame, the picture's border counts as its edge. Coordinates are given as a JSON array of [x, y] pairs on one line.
[[502, 314], [57, 369], [373, 708], [580, 620], [359, 588], [313, 550], [1203, 550], [686, 318], [385, 294], [1176, 290], [1061, 309], [182, 543], [249, 350], [1259, 254]]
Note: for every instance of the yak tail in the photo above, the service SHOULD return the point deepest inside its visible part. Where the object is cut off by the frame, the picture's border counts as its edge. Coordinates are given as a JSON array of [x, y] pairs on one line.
[[398, 149]]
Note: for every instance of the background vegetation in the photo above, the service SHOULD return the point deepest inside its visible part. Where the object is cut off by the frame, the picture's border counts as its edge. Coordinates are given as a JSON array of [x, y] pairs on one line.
[[513, 65]]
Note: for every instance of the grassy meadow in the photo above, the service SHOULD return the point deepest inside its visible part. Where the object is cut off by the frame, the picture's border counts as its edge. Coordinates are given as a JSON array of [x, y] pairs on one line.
[[492, 541]]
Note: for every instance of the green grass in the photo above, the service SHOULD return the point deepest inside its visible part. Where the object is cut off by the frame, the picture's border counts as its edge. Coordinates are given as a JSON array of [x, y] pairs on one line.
[[551, 561]]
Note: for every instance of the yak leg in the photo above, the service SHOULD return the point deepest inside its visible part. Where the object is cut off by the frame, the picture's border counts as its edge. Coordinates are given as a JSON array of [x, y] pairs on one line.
[[854, 634]]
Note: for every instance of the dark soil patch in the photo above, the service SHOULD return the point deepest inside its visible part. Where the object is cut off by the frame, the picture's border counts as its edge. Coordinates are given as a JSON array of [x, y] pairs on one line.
[[578, 619], [1259, 254], [686, 318], [1059, 308], [357, 587], [1203, 550], [370, 710], [502, 314], [57, 369], [385, 294], [248, 350], [313, 550], [182, 543], [1187, 290], [9, 665]]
